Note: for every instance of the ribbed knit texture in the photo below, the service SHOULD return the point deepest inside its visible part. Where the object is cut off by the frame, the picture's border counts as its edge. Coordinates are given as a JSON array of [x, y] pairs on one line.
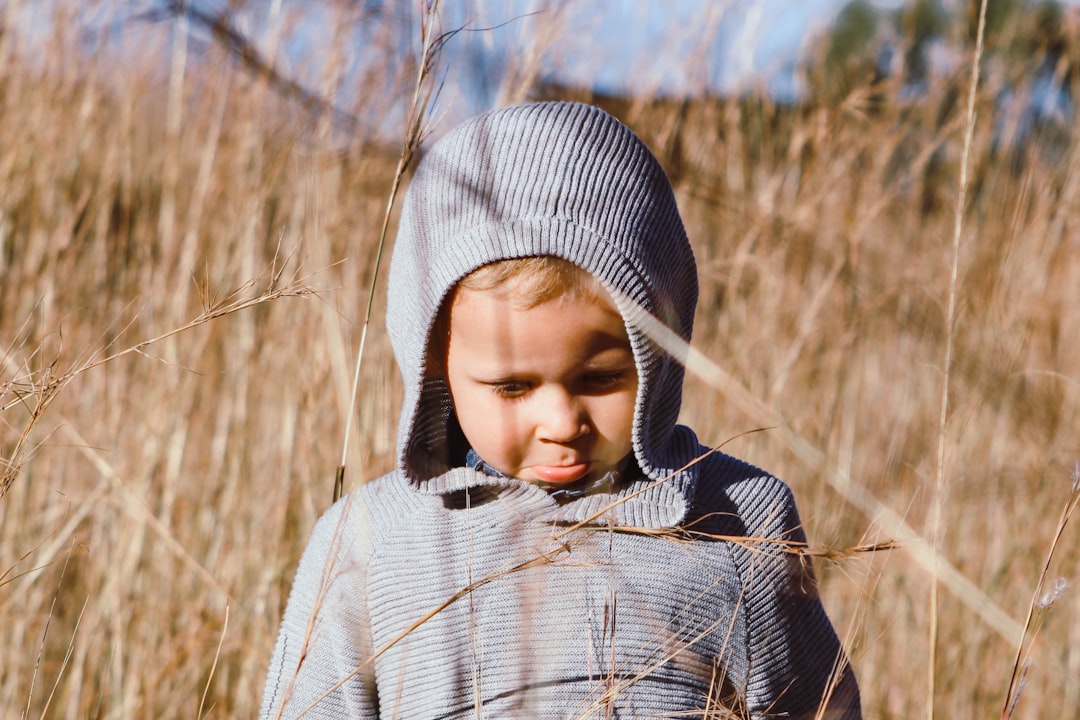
[[655, 609], [557, 179]]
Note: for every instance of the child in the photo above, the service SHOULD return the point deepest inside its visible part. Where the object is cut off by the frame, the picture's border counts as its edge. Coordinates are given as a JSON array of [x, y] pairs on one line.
[[552, 544]]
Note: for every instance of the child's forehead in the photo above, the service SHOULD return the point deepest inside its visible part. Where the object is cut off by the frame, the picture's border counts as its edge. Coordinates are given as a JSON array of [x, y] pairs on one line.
[[492, 317], [530, 281], [520, 298]]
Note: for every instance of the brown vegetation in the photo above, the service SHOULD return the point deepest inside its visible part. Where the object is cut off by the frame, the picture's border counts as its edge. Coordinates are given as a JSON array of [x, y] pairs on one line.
[[158, 492]]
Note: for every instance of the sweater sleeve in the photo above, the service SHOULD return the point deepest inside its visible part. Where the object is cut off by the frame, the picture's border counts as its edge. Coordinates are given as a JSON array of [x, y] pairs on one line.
[[320, 668], [796, 663]]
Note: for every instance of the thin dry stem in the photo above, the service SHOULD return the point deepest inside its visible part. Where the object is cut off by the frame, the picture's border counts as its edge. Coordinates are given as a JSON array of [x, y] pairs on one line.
[[1041, 602], [37, 391], [213, 666], [67, 659], [417, 128], [44, 637], [940, 483]]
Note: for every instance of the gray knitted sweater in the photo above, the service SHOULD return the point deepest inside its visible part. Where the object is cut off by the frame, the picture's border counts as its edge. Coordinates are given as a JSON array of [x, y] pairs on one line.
[[441, 591]]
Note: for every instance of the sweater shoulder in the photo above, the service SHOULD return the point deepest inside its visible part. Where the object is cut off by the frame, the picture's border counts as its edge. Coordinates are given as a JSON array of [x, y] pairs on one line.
[[747, 500], [386, 499], [368, 511]]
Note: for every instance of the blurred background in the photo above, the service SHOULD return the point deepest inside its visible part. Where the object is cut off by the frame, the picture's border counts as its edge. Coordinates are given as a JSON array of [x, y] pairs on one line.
[[191, 197]]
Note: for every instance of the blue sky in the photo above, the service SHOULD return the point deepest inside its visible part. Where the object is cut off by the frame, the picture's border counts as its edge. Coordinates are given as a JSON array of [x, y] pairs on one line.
[[678, 47], [687, 46]]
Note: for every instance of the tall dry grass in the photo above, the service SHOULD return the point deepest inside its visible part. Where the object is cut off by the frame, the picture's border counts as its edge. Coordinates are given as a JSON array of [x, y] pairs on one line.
[[171, 488]]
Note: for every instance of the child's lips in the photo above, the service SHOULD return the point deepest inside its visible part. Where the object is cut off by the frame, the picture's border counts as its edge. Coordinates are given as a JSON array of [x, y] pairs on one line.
[[560, 473]]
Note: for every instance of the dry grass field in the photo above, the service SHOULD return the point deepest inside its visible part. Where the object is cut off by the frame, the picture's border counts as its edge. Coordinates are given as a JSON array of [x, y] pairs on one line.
[[154, 506]]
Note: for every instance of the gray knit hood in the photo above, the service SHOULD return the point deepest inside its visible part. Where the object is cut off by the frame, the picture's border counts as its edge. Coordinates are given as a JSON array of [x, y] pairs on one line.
[[562, 179]]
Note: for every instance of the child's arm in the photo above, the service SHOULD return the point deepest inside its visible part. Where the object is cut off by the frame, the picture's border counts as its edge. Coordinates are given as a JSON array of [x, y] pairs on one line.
[[797, 664], [325, 634]]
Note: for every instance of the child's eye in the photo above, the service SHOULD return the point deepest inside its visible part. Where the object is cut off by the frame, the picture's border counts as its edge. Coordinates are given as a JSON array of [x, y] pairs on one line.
[[511, 388], [606, 380]]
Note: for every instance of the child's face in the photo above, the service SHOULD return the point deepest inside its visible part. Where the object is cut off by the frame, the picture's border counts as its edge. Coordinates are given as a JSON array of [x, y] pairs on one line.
[[545, 393]]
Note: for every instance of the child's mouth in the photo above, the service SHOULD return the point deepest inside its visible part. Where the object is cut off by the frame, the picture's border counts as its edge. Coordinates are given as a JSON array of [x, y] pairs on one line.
[[560, 473]]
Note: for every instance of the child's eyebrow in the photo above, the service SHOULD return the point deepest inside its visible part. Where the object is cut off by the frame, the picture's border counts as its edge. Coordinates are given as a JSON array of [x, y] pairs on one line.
[[499, 378], [606, 353], [609, 364], [605, 359]]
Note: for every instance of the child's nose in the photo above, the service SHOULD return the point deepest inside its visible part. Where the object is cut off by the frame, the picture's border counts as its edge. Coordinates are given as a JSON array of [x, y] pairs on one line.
[[562, 417]]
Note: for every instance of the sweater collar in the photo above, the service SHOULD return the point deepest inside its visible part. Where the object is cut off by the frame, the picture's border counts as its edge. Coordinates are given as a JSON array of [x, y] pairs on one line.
[[565, 492], [616, 499]]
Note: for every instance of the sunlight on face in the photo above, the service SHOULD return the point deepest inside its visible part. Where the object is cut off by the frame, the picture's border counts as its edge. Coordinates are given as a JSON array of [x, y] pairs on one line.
[[545, 393]]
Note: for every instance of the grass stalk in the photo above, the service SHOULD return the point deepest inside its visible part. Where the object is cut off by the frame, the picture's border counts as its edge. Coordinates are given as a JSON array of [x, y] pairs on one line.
[[37, 391], [417, 128], [1041, 601], [940, 477], [213, 666]]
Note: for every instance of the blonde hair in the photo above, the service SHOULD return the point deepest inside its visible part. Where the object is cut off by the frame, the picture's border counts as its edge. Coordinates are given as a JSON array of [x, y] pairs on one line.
[[532, 281], [526, 282]]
